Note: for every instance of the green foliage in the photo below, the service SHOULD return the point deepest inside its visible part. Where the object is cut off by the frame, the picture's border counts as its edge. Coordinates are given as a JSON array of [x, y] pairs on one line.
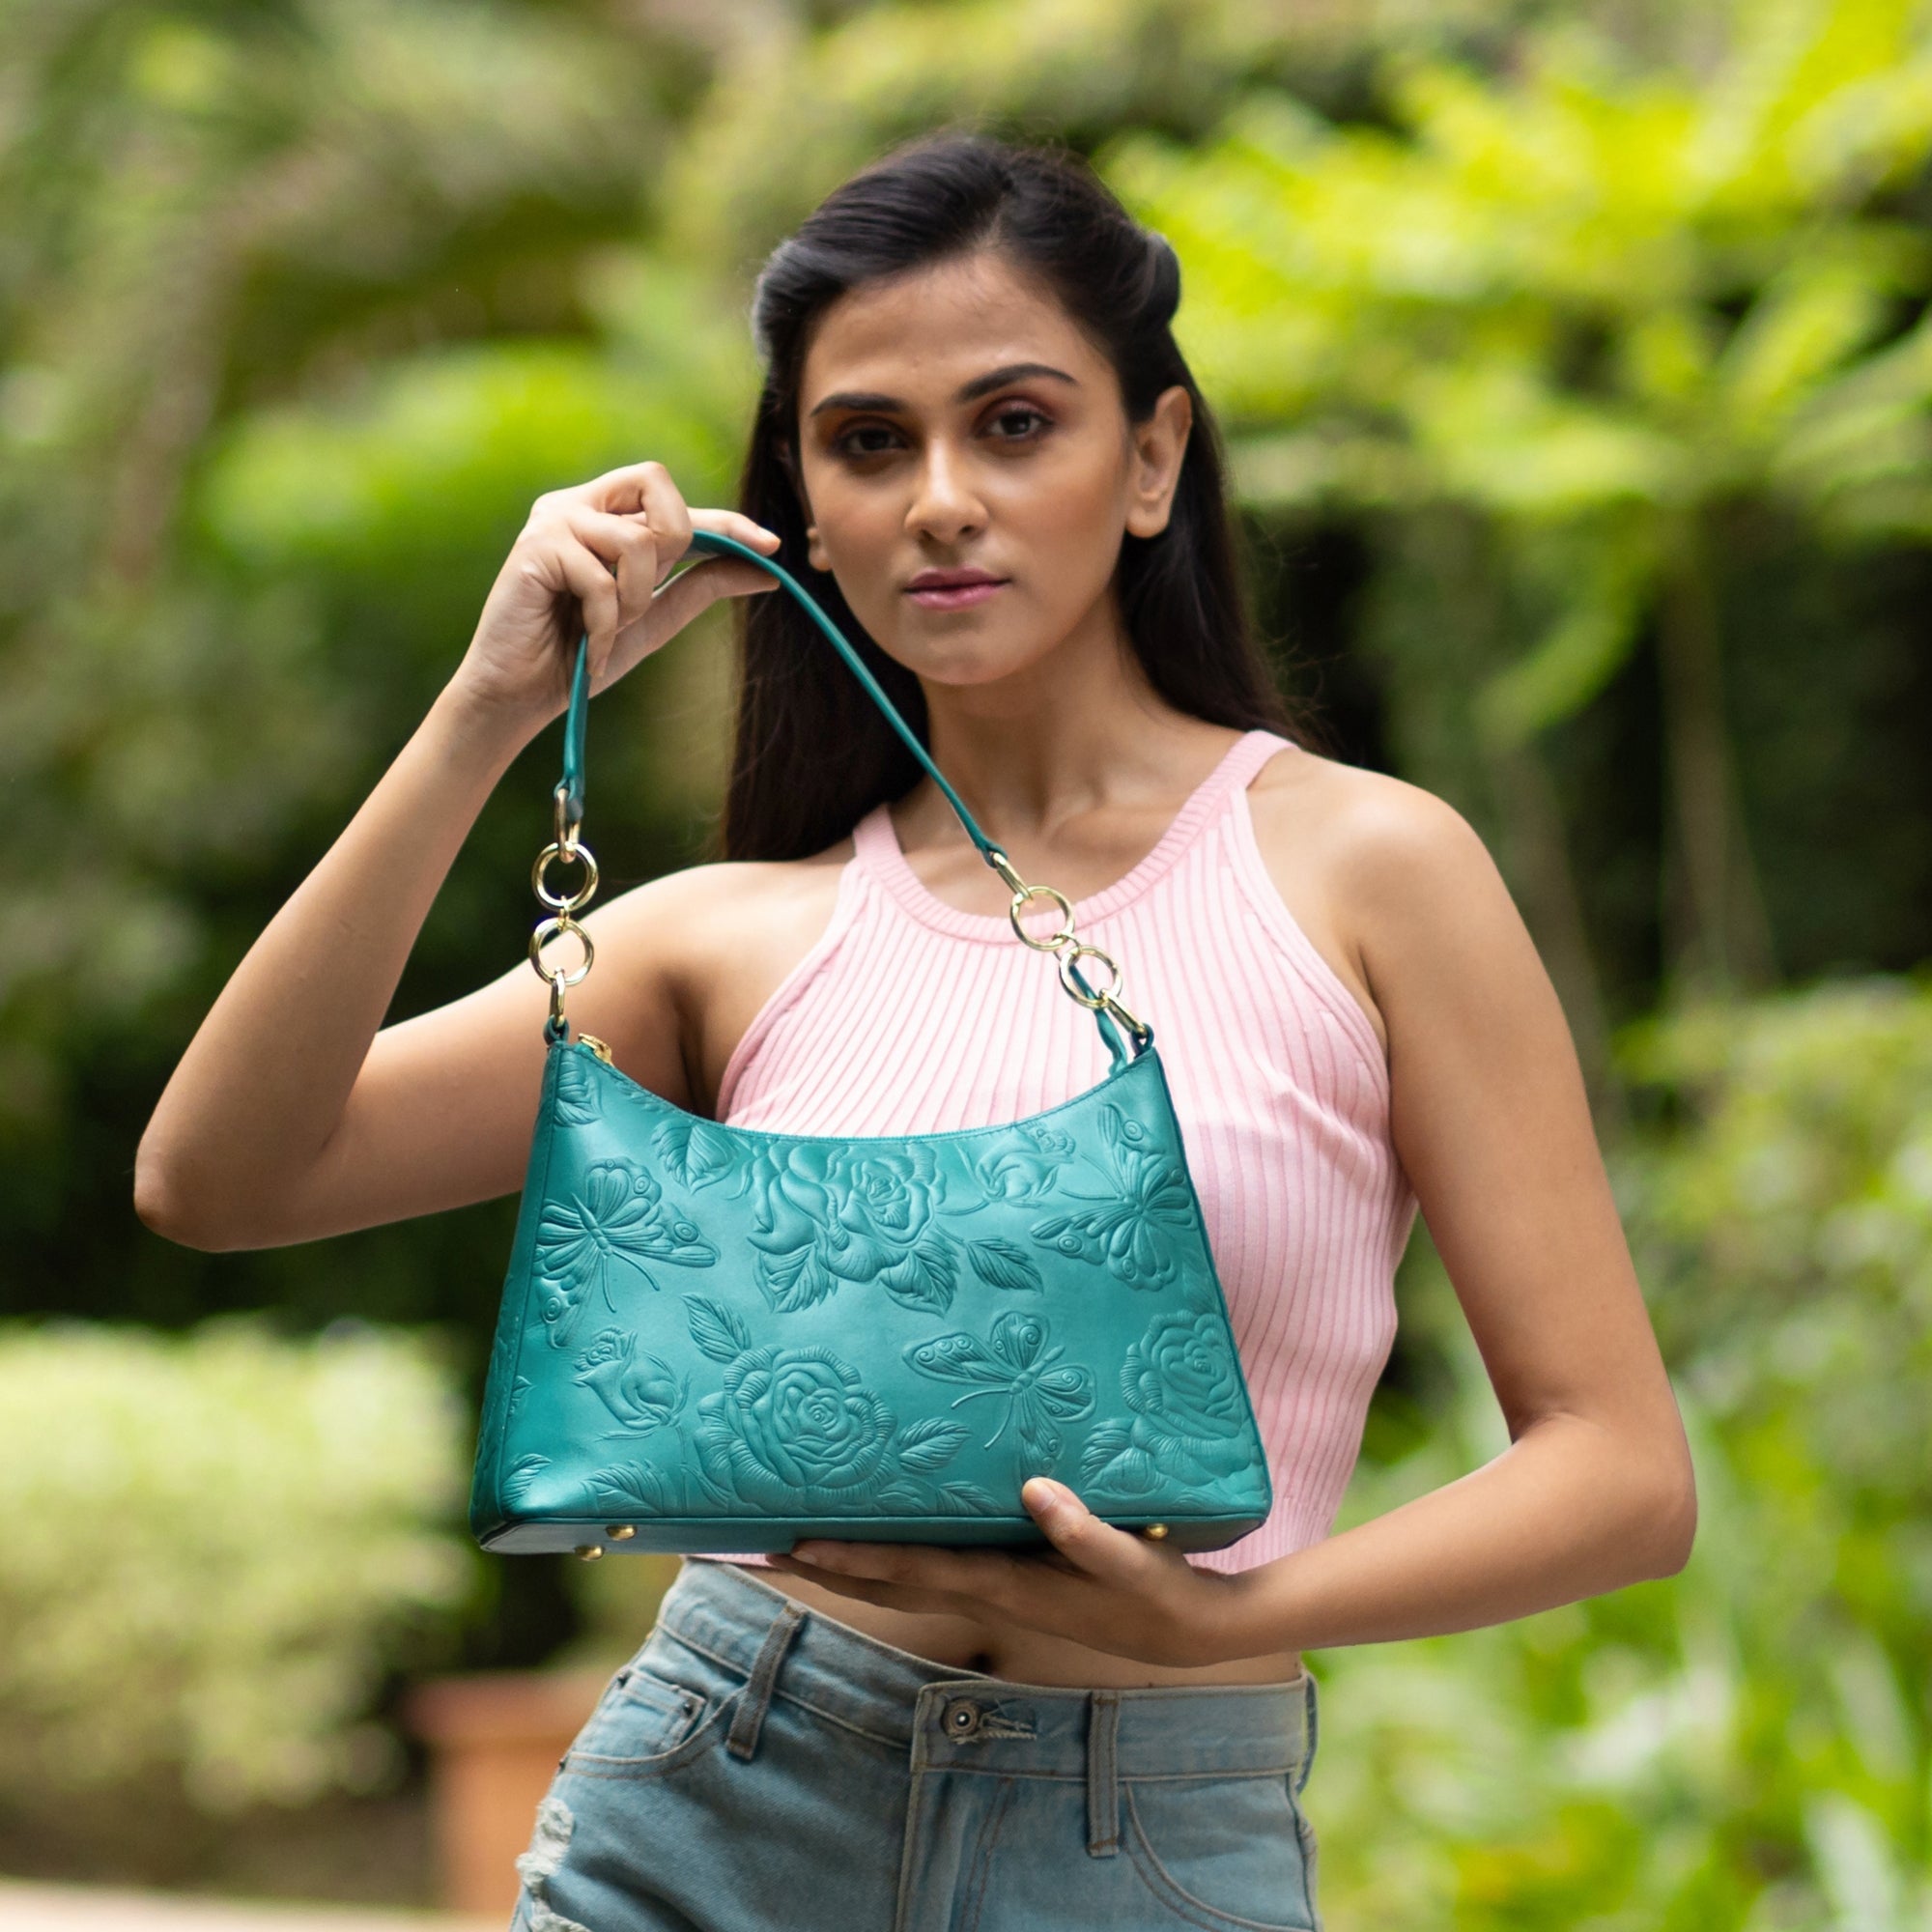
[[1586, 307], [216, 1546], [1745, 1745]]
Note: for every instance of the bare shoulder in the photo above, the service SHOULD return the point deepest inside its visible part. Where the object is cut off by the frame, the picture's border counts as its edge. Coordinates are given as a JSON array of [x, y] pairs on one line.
[[718, 937], [1369, 866]]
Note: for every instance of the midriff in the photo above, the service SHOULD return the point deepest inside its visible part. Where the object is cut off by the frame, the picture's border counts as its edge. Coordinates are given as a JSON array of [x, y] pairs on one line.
[[1022, 1656]]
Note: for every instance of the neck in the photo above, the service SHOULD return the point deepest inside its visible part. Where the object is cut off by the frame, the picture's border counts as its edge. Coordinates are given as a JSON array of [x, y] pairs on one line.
[[1075, 730]]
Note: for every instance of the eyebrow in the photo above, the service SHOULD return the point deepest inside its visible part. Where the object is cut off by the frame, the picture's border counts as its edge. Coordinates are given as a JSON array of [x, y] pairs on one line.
[[980, 385]]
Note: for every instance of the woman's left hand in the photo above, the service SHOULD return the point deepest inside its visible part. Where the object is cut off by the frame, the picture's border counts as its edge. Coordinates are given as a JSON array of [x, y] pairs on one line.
[[1097, 1585]]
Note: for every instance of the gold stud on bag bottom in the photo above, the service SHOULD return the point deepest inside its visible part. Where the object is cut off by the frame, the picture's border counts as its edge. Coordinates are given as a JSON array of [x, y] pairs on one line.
[[722, 1339]]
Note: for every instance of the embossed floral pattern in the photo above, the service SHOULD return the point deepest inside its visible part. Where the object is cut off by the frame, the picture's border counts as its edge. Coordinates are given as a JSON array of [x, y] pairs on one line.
[[1016, 1363], [616, 1216], [1029, 1170], [827, 1213], [793, 1428], [1181, 1381], [644, 1393]]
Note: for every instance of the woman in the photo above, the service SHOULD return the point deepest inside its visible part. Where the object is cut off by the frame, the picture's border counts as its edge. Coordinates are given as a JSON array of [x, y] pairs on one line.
[[979, 447]]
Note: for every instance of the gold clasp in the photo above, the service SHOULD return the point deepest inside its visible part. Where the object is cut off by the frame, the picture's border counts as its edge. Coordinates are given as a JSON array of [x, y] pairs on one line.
[[1063, 942], [566, 847]]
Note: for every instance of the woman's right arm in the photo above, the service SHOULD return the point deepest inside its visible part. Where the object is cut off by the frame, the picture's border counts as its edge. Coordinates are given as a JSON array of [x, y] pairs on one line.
[[293, 1113]]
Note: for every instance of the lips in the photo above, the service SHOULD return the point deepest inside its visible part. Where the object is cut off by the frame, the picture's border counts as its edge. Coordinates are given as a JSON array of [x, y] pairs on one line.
[[953, 589]]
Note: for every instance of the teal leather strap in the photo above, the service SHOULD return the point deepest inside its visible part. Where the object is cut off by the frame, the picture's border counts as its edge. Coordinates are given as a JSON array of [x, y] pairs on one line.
[[580, 693], [570, 788]]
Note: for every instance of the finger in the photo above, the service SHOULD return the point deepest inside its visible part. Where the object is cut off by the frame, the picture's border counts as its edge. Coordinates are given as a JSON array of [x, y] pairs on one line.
[[972, 1577], [595, 589], [668, 514], [1095, 1548], [629, 487], [630, 546], [895, 1594], [697, 588], [730, 524]]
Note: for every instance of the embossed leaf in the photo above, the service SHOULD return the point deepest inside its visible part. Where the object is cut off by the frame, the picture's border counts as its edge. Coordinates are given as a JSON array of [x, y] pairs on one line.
[[924, 1277], [631, 1486], [715, 1328], [718, 1492], [518, 1390], [695, 1151], [910, 1499], [794, 1279], [1102, 1446], [967, 1500], [930, 1444], [523, 1473], [1003, 1263], [579, 1101], [1131, 1473]]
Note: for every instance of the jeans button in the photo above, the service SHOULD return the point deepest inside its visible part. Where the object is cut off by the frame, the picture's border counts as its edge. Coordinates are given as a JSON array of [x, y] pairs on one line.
[[962, 1718]]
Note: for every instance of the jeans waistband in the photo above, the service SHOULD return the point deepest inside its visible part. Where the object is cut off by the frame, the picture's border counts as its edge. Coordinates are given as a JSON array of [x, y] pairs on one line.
[[970, 1719]]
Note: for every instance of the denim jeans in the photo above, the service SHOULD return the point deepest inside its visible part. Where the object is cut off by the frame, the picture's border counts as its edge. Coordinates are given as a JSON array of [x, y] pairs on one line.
[[760, 1767]]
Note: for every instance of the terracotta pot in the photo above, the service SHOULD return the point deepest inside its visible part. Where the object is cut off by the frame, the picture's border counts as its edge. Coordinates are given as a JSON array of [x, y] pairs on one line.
[[494, 1739]]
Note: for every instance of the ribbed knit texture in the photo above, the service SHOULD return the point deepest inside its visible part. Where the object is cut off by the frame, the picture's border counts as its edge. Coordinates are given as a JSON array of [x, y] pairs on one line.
[[908, 1015]]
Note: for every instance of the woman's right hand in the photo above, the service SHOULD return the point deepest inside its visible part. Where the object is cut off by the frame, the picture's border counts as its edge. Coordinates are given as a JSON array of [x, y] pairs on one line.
[[590, 559]]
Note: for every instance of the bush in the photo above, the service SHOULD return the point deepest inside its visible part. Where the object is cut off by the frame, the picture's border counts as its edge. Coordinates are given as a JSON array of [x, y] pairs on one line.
[[216, 1545], [1747, 1744]]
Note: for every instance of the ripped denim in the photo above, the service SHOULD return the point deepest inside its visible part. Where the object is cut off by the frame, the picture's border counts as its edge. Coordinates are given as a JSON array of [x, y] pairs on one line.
[[759, 1766]]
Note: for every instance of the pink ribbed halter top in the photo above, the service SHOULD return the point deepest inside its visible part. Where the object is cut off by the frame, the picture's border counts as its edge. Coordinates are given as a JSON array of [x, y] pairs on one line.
[[908, 1015]]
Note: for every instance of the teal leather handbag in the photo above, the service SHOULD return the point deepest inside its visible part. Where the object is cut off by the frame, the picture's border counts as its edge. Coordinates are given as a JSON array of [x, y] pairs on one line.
[[722, 1339]]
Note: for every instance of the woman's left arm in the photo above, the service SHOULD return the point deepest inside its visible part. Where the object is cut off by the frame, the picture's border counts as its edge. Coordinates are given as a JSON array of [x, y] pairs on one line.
[[1492, 1121]]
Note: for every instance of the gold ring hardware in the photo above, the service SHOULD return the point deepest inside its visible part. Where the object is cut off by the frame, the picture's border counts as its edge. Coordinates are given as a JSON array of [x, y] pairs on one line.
[[548, 929], [1137, 1027], [548, 857], [1083, 952], [1004, 865], [566, 835], [1054, 941]]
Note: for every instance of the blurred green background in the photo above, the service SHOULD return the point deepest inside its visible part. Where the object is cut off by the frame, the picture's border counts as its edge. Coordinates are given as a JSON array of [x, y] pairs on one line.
[[1576, 361]]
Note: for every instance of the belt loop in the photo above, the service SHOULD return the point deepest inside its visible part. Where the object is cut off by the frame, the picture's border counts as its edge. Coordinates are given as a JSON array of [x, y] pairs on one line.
[[1310, 1727], [742, 1740], [1103, 1797]]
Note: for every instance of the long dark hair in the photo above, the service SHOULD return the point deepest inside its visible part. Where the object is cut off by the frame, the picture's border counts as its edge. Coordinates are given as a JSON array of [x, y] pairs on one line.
[[812, 752]]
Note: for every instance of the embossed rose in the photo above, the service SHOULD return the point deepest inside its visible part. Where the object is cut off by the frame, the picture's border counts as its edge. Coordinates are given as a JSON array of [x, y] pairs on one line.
[[829, 1213], [1189, 1424], [1182, 1376], [795, 1427], [1026, 1173]]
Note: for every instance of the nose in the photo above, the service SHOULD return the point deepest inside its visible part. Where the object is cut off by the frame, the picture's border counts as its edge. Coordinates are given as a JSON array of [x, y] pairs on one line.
[[944, 506]]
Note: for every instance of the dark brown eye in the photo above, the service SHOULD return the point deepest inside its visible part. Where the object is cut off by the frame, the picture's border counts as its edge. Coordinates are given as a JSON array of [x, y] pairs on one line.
[[1018, 418], [845, 445]]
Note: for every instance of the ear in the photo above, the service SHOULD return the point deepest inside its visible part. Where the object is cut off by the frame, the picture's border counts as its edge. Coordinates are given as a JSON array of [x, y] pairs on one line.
[[1158, 446], [814, 549]]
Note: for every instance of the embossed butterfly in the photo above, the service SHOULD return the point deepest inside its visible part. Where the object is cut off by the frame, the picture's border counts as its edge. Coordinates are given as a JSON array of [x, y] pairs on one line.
[[1014, 1362], [616, 1215]]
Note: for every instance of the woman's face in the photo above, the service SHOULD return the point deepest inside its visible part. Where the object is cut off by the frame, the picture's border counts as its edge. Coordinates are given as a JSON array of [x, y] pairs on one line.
[[955, 420]]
